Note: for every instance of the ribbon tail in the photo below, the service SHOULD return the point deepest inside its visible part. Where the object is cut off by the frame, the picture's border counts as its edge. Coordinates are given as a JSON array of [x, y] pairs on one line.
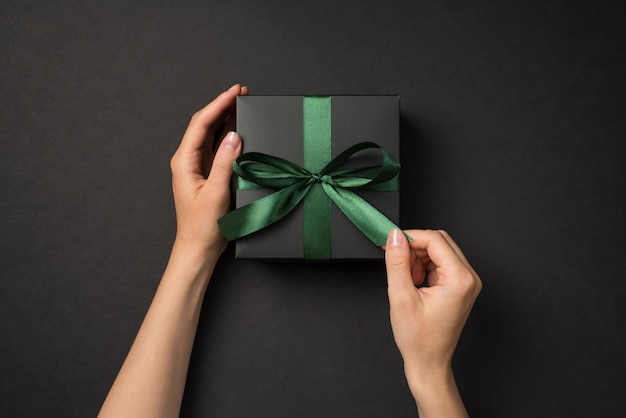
[[364, 216], [262, 212]]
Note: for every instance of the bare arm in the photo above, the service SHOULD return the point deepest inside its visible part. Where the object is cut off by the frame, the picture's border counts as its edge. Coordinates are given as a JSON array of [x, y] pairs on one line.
[[152, 379], [427, 321]]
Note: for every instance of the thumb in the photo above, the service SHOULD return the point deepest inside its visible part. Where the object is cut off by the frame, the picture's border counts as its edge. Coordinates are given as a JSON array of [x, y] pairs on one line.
[[398, 261], [222, 167]]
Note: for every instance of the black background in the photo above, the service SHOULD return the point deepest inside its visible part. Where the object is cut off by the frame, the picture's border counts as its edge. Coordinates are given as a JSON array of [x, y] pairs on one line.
[[512, 123]]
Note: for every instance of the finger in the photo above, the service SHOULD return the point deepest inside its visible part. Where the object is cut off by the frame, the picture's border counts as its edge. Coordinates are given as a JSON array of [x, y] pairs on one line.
[[457, 250], [418, 271], [194, 156], [446, 268], [478, 284], [398, 262], [440, 253], [231, 123], [207, 118], [454, 245], [222, 169], [417, 260]]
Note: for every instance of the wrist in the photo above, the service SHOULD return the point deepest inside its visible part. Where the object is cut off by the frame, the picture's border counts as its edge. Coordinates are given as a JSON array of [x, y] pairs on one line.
[[198, 250], [421, 380], [435, 392], [194, 262]]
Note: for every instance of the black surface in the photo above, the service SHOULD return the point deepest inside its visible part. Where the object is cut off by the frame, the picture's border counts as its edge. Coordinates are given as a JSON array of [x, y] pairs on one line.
[[512, 130]]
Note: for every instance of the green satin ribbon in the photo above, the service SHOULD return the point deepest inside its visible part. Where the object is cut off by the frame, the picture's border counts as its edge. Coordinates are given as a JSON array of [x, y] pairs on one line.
[[317, 147], [293, 182]]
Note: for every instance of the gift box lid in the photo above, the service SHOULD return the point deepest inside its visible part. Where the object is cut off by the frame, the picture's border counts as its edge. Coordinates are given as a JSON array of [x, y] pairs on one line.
[[274, 125]]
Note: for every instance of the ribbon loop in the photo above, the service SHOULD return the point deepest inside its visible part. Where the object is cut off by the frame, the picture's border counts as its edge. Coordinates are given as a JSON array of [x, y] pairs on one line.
[[293, 182]]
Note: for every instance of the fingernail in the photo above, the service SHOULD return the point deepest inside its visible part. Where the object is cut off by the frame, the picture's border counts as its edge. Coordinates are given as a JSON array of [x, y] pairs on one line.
[[395, 238], [234, 87], [232, 141]]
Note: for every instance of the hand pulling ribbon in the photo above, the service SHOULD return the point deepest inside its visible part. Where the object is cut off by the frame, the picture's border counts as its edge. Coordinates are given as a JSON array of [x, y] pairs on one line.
[[317, 185]]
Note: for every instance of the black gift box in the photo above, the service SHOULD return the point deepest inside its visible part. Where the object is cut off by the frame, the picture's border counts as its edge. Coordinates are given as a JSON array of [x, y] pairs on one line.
[[274, 125]]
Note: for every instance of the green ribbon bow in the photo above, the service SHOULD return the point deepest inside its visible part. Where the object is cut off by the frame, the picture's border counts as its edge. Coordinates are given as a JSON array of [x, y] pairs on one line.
[[293, 183]]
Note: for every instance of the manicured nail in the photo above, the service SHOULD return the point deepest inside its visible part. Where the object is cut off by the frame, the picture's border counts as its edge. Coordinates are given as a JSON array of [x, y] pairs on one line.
[[395, 238], [232, 141]]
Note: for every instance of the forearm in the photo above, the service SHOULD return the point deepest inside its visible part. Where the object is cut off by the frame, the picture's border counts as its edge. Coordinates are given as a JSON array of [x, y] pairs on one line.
[[152, 379], [436, 395]]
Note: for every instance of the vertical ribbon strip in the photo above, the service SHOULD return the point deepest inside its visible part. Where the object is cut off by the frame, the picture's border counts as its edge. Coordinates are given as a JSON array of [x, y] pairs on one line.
[[316, 122]]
